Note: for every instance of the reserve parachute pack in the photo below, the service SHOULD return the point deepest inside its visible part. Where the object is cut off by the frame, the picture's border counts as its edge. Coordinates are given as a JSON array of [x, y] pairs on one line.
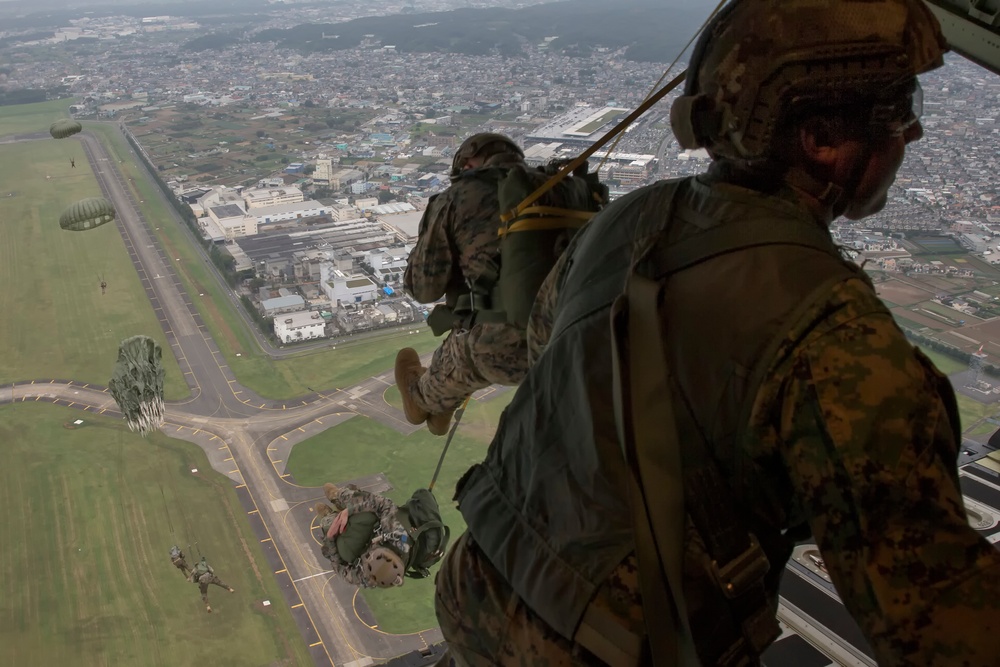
[[534, 229], [427, 533]]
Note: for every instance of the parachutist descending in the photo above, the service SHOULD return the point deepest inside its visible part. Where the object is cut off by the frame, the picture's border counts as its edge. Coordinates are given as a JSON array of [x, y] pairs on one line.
[[178, 561], [72, 162], [104, 286], [64, 128], [203, 575], [137, 383], [87, 214], [458, 255], [372, 543]]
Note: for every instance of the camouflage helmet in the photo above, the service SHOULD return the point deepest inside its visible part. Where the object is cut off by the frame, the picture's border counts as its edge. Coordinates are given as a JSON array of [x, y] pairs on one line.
[[759, 59], [477, 142], [383, 567]]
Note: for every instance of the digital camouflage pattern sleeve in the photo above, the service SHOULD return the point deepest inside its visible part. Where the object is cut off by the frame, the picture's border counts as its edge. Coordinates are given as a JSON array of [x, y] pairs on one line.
[[868, 435], [458, 237], [430, 264]]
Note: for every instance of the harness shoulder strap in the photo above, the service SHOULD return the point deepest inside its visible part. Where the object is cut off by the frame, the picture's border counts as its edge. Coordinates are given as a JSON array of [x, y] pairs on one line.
[[672, 475]]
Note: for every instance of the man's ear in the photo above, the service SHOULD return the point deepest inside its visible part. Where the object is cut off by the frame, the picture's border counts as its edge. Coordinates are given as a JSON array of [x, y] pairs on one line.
[[818, 142]]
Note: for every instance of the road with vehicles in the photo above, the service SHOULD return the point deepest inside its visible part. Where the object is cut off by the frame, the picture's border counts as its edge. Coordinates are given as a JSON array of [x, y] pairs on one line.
[[248, 438]]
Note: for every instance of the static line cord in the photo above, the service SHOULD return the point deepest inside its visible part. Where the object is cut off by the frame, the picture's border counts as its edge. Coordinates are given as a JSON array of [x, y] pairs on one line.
[[451, 434], [662, 77]]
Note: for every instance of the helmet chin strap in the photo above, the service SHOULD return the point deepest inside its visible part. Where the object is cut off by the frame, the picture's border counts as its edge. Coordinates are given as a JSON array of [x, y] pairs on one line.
[[828, 194]]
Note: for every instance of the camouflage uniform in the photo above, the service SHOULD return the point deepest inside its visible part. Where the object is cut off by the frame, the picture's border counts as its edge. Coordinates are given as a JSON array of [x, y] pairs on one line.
[[205, 579], [459, 241], [390, 531], [181, 564], [854, 434]]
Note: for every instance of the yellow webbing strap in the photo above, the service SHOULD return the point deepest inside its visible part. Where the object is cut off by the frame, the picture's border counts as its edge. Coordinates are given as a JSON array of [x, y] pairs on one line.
[[549, 210], [542, 224]]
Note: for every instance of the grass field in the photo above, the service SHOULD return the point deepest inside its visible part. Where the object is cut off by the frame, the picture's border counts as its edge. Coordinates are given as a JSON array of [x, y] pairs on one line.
[[944, 363], [986, 428], [361, 447], [30, 118], [972, 411], [56, 322], [85, 576]]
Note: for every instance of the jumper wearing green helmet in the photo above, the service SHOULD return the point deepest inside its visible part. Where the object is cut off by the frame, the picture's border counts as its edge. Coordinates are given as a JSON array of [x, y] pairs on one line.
[[761, 60], [484, 144]]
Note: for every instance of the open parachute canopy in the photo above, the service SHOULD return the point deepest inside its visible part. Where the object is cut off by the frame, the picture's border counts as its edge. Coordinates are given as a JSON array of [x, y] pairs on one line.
[[137, 383], [64, 128], [87, 214]]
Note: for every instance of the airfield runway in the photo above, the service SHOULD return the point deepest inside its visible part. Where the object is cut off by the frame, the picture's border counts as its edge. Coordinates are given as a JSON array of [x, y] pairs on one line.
[[241, 434]]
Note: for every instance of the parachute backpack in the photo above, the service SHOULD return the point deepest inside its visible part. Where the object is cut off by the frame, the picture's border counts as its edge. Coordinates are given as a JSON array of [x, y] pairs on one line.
[[428, 535], [532, 237], [175, 552]]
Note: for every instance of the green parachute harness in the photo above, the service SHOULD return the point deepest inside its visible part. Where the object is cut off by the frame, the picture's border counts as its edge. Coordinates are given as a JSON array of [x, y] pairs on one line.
[[137, 383]]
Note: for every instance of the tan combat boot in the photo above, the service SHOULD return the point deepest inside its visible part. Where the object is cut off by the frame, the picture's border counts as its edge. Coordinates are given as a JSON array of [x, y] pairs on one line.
[[331, 491], [408, 371], [439, 424], [322, 509]]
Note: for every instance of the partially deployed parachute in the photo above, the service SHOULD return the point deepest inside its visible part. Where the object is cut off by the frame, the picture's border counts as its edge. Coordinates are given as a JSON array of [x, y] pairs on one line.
[[137, 383], [64, 128], [87, 214]]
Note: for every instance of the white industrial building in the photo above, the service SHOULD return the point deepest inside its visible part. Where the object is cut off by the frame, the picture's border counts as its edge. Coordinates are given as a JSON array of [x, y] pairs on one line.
[[231, 221], [345, 287], [301, 325], [288, 211], [272, 196]]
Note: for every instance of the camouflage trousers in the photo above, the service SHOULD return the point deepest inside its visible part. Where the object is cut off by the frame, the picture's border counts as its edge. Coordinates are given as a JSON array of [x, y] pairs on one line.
[[181, 565], [468, 361], [206, 579], [486, 623]]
